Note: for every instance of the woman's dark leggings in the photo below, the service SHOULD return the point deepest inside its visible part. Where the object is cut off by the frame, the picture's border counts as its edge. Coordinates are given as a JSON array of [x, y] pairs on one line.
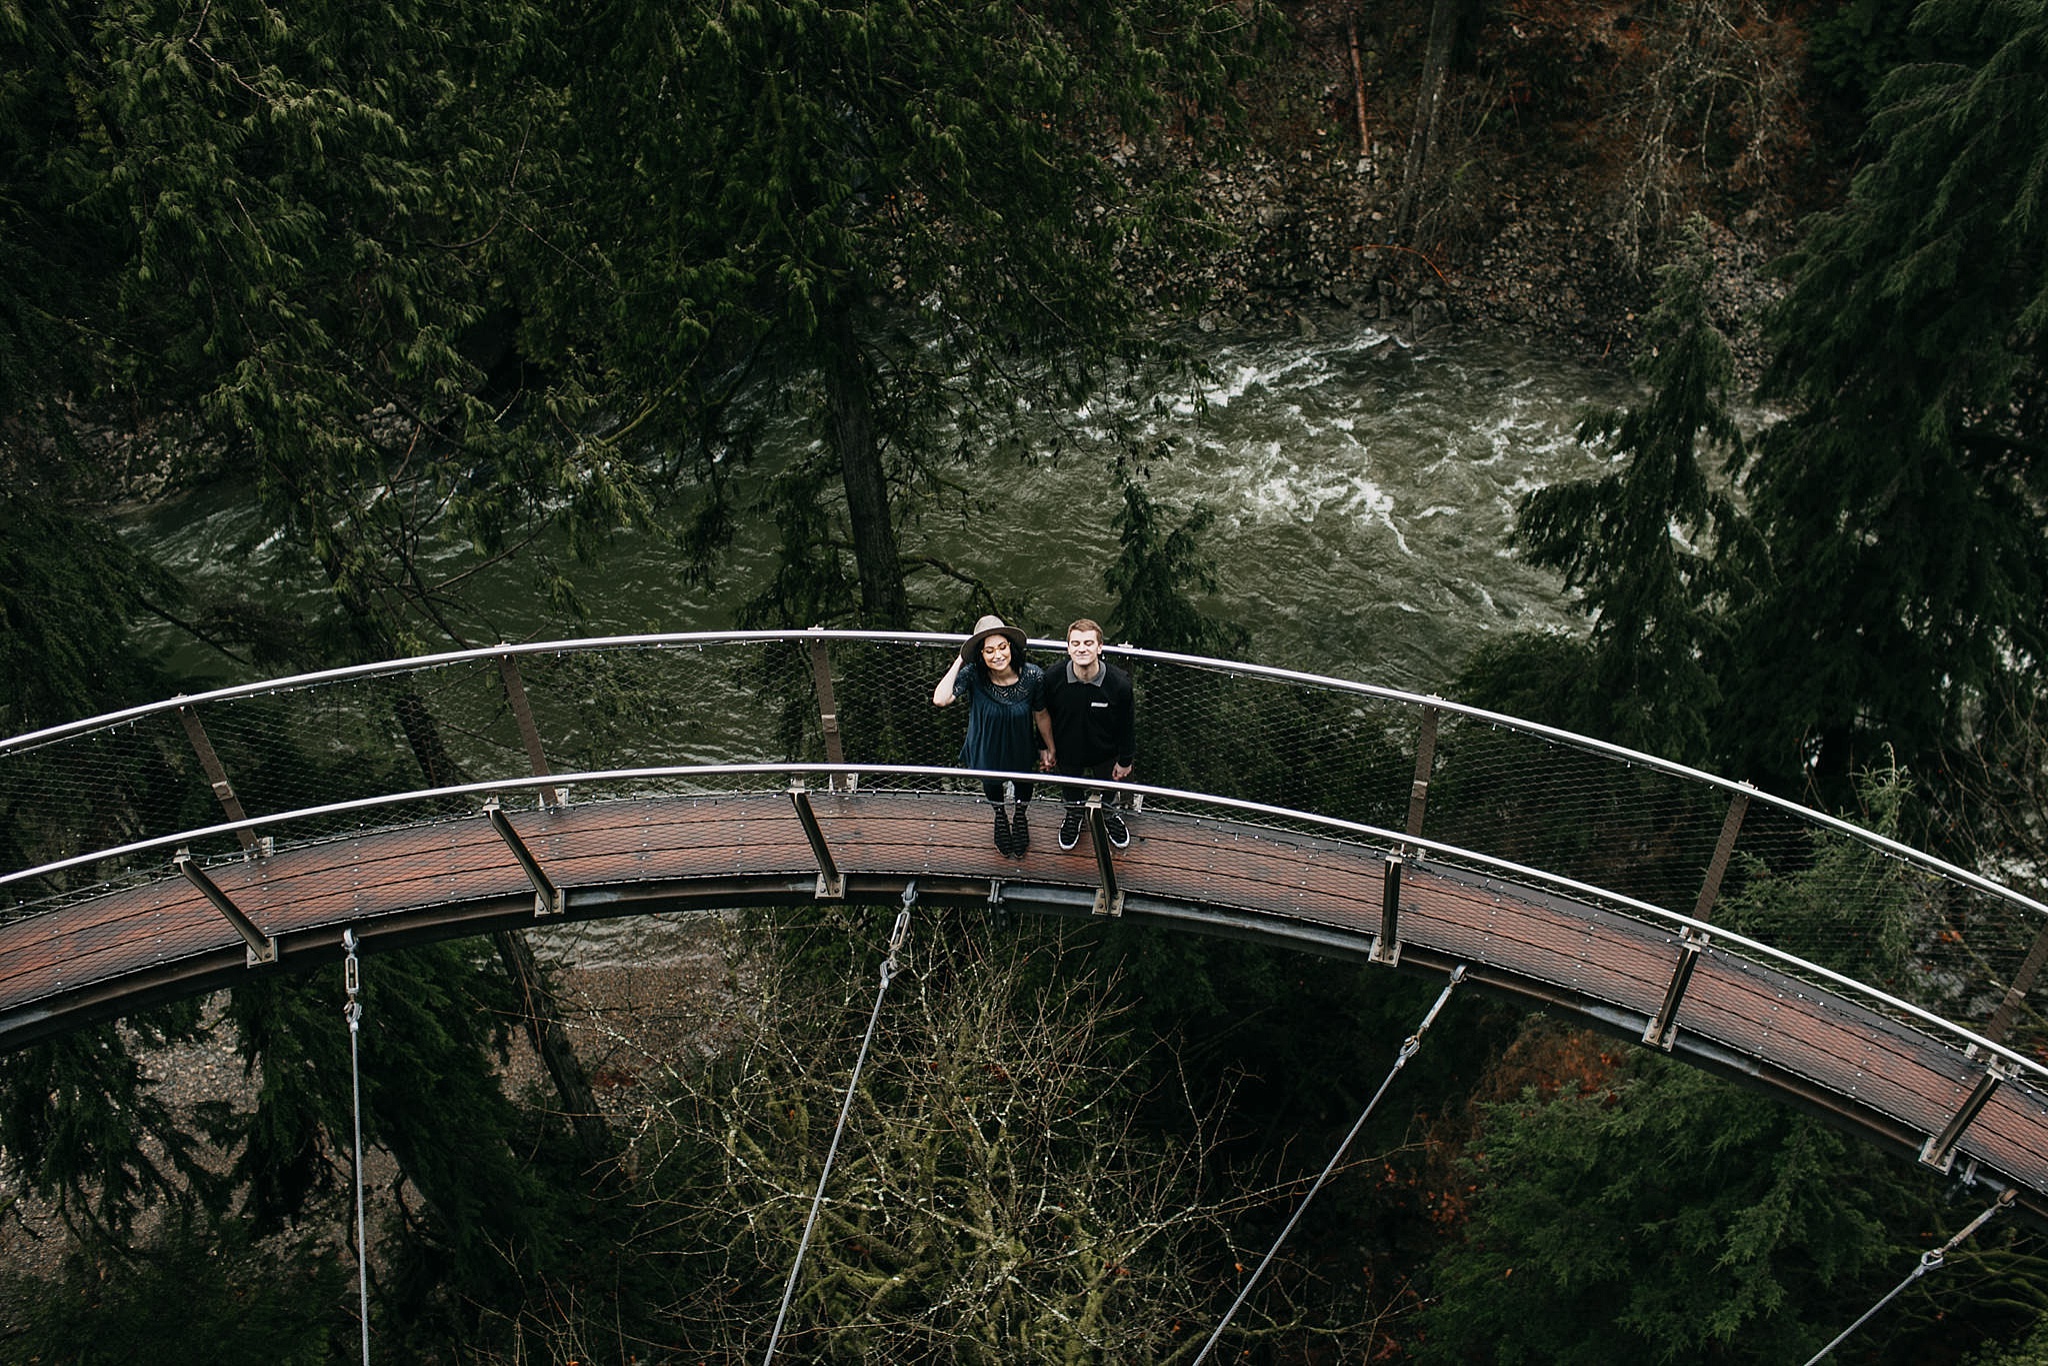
[[992, 788]]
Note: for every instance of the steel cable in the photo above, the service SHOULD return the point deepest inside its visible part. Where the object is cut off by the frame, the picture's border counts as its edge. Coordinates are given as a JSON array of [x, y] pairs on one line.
[[896, 936], [1929, 1261], [1409, 1047], [351, 980]]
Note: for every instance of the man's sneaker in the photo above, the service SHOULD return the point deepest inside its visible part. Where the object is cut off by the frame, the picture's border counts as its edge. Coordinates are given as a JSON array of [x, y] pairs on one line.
[[1020, 834], [1113, 826], [1003, 838], [1070, 828]]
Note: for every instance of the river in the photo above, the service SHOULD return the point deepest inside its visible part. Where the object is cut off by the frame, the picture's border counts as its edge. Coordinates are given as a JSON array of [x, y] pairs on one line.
[[1364, 492]]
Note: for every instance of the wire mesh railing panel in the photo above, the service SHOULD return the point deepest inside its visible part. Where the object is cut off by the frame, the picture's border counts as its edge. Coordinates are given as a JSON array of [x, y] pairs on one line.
[[1638, 830], [100, 790], [1302, 747], [1531, 800]]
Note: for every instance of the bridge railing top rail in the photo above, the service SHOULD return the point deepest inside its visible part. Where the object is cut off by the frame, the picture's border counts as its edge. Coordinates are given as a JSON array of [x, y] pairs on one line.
[[1826, 890], [1245, 668]]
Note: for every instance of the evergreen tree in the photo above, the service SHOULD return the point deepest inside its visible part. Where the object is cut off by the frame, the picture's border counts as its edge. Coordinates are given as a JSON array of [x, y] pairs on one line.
[[1901, 503], [893, 218], [1638, 545], [1665, 1216]]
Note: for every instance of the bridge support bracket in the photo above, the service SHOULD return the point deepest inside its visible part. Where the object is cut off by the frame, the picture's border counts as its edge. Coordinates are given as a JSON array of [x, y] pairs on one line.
[[262, 947], [548, 899], [831, 882], [1386, 945], [1939, 1152], [1662, 1030], [1109, 899]]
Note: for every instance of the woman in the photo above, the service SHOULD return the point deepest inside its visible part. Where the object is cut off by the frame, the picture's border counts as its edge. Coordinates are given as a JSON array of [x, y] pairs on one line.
[[1005, 704]]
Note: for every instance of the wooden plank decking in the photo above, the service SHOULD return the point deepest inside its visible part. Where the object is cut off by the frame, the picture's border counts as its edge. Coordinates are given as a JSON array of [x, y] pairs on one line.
[[107, 954]]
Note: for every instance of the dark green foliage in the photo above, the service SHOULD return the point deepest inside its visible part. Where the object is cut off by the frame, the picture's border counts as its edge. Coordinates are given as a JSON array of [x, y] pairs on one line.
[[1638, 545], [1844, 906], [1900, 506], [1669, 1217], [1159, 566], [892, 221], [430, 1013], [495, 1203], [69, 590], [286, 253], [201, 1293], [82, 1127]]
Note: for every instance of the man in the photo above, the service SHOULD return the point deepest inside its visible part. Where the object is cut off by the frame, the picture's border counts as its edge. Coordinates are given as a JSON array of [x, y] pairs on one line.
[[1093, 733]]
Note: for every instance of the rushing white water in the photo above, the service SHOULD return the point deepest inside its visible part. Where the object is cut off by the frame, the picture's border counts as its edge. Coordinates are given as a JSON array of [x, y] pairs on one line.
[[1363, 490], [1364, 494]]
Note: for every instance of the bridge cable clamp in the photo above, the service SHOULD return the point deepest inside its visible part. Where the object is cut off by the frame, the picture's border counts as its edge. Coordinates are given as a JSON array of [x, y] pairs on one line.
[[1930, 1260]]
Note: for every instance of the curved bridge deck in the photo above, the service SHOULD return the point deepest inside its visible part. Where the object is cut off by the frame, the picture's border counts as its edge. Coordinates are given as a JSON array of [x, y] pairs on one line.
[[164, 938], [1729, 925]]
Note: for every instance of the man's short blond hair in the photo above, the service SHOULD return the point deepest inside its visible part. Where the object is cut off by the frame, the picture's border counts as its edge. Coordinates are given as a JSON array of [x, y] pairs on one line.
[[1085, 624]]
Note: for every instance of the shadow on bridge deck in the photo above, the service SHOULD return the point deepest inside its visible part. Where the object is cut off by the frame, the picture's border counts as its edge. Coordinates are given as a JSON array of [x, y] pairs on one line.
[[108, 954]]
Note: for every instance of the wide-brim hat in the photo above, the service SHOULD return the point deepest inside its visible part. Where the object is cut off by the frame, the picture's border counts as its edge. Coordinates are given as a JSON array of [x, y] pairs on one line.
[[991, 626]]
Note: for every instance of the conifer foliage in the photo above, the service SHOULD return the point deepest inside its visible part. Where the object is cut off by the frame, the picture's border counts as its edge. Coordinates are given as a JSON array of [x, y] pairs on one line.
[[1902, 506]]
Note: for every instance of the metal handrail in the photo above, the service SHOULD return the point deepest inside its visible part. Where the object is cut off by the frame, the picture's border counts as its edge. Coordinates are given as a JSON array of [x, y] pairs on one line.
[[1516, 871], [675, 640]]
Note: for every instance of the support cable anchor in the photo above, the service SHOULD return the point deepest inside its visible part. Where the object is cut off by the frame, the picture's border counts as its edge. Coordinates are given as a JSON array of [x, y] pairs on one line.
[[1409, 1047], [1930, 1260]]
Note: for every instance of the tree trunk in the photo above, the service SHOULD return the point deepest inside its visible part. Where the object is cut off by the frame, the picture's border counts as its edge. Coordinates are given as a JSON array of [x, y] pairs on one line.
[[850, 427], [543, 1016], [544, 1030], [1429, 98]]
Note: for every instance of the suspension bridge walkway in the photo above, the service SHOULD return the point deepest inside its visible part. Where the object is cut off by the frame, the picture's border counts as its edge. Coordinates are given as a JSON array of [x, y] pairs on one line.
[[173, 849]]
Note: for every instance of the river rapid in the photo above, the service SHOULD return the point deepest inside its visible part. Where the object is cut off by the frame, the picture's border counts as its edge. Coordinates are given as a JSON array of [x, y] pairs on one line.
[[1363, 491]]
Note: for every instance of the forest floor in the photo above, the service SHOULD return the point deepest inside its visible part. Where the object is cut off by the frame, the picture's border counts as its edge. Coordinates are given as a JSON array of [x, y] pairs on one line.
[[640, 1001], [1546, 206]]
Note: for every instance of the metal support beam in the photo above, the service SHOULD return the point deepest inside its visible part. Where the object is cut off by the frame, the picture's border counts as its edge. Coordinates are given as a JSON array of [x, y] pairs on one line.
[[831, 882], [2022, 983], [522, 712], [548, 899], [828, 712], [1109, 900], [1939, 1152], [217, 774], [262, 947], [1717, 866], [1425, 760], [1662, 1031], [1386, 945]]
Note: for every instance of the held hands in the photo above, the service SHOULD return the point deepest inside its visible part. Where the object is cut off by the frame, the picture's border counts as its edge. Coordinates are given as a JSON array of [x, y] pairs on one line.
[[1119, 772], [1045, 761]]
